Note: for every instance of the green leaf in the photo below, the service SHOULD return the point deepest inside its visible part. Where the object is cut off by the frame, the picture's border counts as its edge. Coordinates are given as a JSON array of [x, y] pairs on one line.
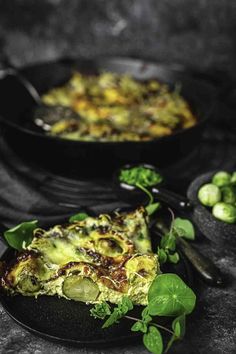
[[125, 305], [184, 228], [153, 340], [146, 318], [113, 318], [152, 208], [78, 217], [139, 326], [168, 242], [101, 310], [173, 258], [169, 296], [178, 326], [21, 235], [120, 311], [162, 256]]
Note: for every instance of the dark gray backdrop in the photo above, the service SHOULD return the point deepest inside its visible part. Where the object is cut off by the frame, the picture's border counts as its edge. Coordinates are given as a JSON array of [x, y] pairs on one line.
[[197, 33]]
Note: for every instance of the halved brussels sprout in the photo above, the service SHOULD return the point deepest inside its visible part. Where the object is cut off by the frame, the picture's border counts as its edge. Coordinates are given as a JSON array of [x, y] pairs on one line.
[[80, 289], [28, 284]]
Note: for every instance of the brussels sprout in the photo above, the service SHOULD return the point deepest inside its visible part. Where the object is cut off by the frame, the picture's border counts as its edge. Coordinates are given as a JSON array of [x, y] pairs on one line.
[[233, 178], [228, 194], [221, 179], [225, 212], [80, 289], [209, 194]]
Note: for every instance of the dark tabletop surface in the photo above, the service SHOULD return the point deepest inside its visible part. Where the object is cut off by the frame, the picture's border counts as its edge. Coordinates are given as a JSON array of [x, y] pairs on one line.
[[28, 192]]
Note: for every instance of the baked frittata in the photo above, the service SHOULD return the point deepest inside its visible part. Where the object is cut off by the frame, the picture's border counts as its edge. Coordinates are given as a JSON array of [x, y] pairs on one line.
[[98, 259]]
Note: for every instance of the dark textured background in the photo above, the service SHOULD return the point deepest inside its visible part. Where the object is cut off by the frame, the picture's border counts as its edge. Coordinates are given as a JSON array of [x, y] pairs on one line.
[[196, 33]]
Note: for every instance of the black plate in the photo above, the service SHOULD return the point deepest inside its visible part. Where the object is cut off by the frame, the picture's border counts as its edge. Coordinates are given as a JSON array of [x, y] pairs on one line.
[[78, 157], [69, 322]]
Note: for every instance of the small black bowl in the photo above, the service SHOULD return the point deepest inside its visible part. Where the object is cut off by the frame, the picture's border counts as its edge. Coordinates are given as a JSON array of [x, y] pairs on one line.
[[217, 231], [129, 193]]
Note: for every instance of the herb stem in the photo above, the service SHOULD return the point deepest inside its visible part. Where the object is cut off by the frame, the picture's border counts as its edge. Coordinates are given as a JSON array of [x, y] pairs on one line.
[[145, 190], [152, 323], [162, 327]]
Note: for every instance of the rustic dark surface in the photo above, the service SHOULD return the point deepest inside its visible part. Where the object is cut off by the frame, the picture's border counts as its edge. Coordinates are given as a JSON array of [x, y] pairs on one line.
[[196, 33], [199, 34], [212, 327]]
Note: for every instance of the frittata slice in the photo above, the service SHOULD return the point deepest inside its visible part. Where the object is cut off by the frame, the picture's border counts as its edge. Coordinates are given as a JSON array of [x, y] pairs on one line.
[[98, 259]]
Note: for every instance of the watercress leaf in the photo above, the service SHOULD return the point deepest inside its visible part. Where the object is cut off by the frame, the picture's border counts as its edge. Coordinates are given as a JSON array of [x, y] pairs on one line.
[[152, 208], [153, 340], [21, 235], [162, 256], [78, 217], [168, 295], [125, 305], [168, 242], [178, 326], [184, 228], [139, 326], [173, 258], [100, 310], [113, 318], [122, 308], [146, 318]]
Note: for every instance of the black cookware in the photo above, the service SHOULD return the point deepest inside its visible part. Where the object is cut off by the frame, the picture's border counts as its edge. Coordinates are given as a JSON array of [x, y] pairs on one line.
[[95, 158]]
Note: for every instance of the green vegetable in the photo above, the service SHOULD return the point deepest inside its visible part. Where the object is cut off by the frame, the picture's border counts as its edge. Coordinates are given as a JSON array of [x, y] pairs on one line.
[[221, 178], [184, 228], [162, 255], [153, 340], [21, 235], [173, 258], [152, 208], [101, 310], [123, 307], [228, 194], [225, 212], [140, 176], [170, 296], [80, 289], [167, 249], [178, 326], [233, 178], [78, 217], [209, 194]]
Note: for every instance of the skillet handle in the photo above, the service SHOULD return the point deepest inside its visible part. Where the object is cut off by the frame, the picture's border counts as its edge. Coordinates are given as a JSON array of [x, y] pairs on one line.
[[203, 265], [10, 69], [175, 200]]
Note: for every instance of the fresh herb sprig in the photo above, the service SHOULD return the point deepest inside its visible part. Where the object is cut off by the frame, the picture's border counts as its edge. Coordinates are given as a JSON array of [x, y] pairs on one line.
[[179, 228], [140, 175], [20, 236], [168, 296]]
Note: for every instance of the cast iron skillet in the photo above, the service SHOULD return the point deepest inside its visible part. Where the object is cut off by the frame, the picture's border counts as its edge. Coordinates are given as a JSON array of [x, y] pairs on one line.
[[97, 158], [69, 322]]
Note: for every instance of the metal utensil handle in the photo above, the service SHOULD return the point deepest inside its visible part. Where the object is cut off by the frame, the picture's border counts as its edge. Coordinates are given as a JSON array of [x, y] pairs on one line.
[[10, 69], [203, 265], [175, 200]]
